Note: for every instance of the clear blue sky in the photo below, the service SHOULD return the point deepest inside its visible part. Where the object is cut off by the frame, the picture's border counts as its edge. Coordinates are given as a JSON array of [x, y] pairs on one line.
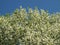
[[8, 6]]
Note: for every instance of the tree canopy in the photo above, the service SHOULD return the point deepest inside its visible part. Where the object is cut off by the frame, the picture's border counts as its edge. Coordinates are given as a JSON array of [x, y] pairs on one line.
[[35, 27]]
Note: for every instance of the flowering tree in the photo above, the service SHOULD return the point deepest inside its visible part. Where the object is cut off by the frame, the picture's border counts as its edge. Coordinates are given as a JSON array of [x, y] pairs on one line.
[[35, 27]]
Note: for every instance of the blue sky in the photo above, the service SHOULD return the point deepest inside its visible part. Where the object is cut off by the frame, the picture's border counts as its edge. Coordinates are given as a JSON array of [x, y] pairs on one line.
[[8, 6]]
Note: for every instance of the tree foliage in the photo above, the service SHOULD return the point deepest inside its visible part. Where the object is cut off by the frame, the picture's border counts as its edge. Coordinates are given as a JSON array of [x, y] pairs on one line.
[[35, 27]]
